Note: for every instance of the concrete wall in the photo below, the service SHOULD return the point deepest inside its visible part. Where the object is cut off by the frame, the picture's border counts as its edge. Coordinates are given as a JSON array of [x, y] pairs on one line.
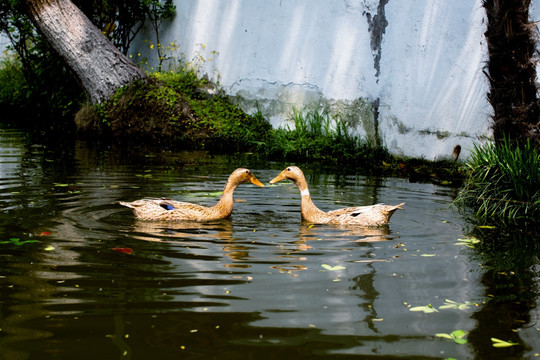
[[407, 73]]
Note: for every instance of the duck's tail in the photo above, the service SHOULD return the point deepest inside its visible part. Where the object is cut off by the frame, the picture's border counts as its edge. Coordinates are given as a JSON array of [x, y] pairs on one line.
[[392, 208], [126, 204]]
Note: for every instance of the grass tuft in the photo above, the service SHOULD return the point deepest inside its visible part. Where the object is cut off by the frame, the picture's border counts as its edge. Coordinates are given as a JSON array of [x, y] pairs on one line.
[[503, 183], [318, 136]]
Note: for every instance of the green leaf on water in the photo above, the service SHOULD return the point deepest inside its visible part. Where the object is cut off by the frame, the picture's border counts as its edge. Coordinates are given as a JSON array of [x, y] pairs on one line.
[[501, 343], [18, 242], [457, 336], [333, 268], [25, 242], [449, 304], [428, 309], [469, 241]]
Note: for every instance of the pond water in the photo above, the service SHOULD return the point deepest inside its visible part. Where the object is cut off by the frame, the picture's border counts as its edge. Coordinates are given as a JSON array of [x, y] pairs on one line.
[[82, 279]]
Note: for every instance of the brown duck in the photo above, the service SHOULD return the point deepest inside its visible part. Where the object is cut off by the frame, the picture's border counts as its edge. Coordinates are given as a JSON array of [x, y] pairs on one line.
[[170, 210], [372, 215]]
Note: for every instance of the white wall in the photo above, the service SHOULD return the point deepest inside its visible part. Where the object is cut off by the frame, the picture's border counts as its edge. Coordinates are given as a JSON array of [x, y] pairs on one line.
[[280, 54]]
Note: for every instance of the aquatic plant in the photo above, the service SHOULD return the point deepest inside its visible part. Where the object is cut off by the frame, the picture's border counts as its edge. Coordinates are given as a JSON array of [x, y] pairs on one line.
[[315, 135], [458, 336], [503, 183]]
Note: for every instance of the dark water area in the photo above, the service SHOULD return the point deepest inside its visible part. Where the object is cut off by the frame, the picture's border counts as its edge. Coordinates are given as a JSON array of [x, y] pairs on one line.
[[80, 278]]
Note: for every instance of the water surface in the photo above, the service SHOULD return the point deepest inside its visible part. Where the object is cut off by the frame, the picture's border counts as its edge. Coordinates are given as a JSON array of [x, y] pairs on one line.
[[261, 285]]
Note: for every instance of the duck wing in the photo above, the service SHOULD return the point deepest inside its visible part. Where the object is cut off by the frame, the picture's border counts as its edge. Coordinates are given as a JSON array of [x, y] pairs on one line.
[[372, 215], [169, 204], [353, 211]]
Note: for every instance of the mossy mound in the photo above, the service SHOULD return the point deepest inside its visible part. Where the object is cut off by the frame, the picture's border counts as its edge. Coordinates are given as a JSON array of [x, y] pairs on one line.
[[173, 108]]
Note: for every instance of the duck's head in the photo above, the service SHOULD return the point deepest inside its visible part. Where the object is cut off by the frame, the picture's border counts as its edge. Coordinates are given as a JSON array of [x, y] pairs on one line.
[[291, 172], [241, 175]]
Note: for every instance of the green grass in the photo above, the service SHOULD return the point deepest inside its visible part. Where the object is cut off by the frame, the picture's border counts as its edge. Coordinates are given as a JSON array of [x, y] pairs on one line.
[[318, 136], [503, 184]]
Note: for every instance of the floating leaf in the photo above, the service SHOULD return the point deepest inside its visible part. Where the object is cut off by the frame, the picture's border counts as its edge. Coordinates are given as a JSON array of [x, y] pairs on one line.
[[18, 242], [457, 336], [26, 242], [449, 304], [146, 176], [123, 250], [49, 248], [469, 242], [501, 343], [428, 255], [486, 227], [333, 268], [45, 233], [60, 185], [426, 309]]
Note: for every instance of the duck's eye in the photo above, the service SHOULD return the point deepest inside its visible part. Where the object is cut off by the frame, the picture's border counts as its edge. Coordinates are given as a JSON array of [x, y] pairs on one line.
[[288, 169], [247, 171]]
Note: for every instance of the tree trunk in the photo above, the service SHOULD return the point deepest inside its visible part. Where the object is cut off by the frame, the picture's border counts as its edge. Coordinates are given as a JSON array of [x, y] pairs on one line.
[[511, 70], [100, 67]]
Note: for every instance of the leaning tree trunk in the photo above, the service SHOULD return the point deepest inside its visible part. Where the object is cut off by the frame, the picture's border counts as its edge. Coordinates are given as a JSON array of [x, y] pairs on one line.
[[511, 70], [100, 67]]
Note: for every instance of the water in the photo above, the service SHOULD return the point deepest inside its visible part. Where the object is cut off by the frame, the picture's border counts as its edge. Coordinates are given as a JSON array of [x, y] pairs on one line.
[[261, 285]]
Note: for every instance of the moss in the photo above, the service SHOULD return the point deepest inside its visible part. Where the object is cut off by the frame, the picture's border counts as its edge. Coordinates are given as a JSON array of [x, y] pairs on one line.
[[174, 109]]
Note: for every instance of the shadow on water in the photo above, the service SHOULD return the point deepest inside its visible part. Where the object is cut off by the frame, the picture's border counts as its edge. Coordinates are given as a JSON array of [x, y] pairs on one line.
[[97, 283]]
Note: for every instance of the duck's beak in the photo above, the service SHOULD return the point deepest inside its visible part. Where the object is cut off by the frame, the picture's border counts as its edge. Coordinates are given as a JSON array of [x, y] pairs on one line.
[[255, 181], [280, 177]]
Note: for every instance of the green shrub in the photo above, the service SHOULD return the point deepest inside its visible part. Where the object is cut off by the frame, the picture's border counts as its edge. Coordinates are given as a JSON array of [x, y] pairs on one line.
[[14, 89]]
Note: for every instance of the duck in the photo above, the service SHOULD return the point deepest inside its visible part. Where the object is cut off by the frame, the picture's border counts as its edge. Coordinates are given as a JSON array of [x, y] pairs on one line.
[[365, 216], [163, 209]]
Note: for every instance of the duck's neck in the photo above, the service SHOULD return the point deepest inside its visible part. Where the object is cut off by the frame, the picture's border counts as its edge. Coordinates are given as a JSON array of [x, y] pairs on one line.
[[224, 206], [307, 207]]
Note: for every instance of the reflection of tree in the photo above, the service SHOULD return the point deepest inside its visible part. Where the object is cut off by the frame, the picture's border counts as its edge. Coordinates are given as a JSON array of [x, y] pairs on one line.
[[365, 284], [511, 285]]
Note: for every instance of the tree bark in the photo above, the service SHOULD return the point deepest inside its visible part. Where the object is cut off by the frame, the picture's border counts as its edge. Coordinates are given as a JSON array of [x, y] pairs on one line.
[[100, 67], [512, 70]]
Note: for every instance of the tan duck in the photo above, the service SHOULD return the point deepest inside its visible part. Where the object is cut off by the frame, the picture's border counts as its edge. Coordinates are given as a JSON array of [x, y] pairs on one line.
[[170, 210], [373, 215]]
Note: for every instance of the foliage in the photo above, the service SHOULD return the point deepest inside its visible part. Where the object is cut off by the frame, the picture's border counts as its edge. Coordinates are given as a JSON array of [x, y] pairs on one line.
[[503, 184], [13, 86], [157, 13], [122, 20], [49, 84], [317, 136]]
